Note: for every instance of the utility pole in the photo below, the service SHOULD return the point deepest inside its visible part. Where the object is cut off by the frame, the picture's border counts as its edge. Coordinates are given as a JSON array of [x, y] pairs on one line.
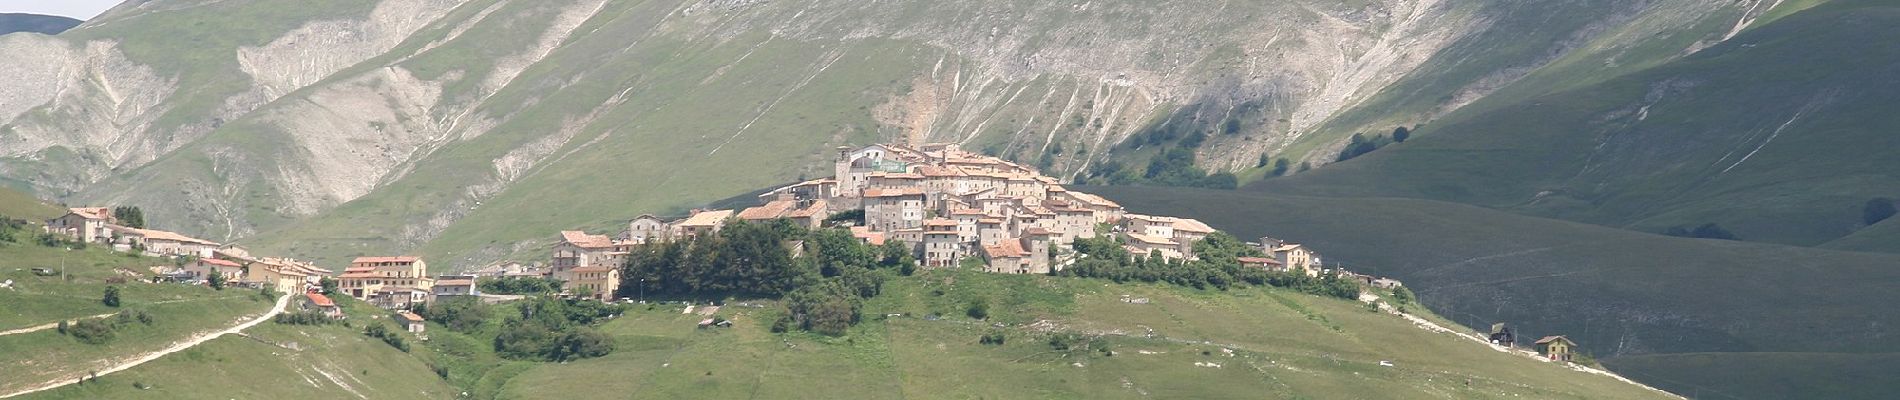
[[62, 265], [643, 290]]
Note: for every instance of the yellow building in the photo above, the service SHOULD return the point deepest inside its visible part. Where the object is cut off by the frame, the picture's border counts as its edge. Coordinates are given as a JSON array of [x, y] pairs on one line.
[[1556, 348], [597, 281], [367, 276]]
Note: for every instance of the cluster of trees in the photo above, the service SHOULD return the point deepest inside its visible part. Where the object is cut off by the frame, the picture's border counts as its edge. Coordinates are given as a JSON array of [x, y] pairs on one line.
[[1704, 231], [381, 331], [520, 285], [9, 228], [553, 329], [103, 330], [461, 313], [132, 217], [1359, 144], [823, 290], [1218, 268], [303, 318], [1173, 166]]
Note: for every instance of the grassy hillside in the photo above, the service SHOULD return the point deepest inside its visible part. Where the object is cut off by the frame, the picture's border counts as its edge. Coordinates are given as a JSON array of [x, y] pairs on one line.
[[35, 23], [1748, 134], [273, 362], [1618, 293], [915, 342], [19, 205], [177, 311]]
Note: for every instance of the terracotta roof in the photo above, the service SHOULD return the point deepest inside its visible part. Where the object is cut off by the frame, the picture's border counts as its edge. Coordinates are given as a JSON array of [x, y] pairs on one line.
[[320, 300], [770, 210], [152, 234], [896, 175], [386, 259], [1287, 247], [865, 233], [1191, 225], [409, 316], [706, 218], [936, 171], [1092, 200], [92, 212], [808, 211], [998, 221], [218, 262], [585, 240], [1005, 249], [899, 192], [1259, 260], [1548, 339]]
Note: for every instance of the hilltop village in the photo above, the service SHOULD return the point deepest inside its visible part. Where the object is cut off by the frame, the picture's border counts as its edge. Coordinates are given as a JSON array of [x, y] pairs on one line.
[[945, 207], [948, 206]]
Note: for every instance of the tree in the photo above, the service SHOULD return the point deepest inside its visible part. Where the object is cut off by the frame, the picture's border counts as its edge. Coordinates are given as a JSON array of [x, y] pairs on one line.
[[131, 217], [215, 279], [111, 298], [1877, 209], [1232, 126], [327, 285], [1399, 134], [1280, 167]]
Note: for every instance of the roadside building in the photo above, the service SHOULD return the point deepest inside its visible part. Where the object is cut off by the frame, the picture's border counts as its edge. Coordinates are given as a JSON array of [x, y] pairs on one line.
[[86, 224], [941, 248], [704, 222], [410, 322], [318, 303], [1555, 348], [203, 268], [369, 277], [646, 229], [594, 282]]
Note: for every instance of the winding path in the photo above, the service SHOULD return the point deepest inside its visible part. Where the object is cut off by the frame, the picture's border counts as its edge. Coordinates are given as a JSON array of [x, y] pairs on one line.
[[1432, 326], [38, 328], [177, 347]]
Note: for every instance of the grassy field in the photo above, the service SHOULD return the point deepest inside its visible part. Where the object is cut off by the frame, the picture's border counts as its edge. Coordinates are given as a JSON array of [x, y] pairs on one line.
[[274, 361], [1618, 293], [1791, 375], [1284, 345], [178, 310]]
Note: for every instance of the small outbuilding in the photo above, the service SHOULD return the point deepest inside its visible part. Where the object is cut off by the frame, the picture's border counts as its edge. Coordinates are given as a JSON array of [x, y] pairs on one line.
[[317, 302], [410, 322]]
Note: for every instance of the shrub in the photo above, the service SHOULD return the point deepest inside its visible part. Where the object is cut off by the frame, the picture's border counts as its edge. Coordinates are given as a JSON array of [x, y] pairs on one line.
[[63, 325], [92, 331], [303, 318], [993, 338], [391, 337], [978, 309], [111, 298]]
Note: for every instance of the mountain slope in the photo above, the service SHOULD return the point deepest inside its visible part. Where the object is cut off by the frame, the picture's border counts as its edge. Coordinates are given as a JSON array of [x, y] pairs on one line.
[[447, 126], [35, 23], [1617, 293], [1749, 134]]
